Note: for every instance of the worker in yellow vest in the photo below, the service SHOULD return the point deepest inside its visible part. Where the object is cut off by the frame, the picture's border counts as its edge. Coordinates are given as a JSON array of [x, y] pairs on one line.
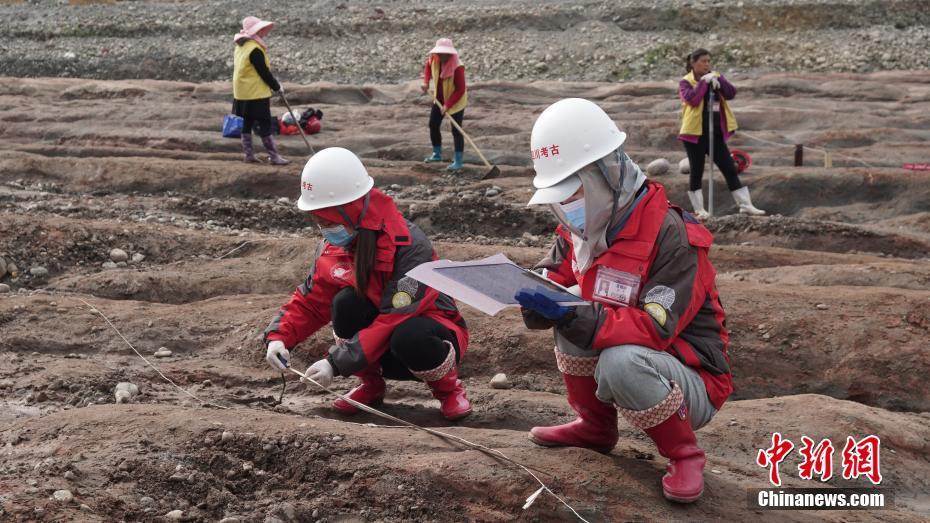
[[253, 85], [696, 89], [444, 79]]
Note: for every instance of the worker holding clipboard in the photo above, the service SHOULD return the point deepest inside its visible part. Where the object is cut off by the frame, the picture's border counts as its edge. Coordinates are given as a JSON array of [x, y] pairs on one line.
[[649, 338]]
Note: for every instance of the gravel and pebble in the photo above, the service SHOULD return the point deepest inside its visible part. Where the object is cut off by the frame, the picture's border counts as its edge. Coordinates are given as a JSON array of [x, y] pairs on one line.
[[365, 41]]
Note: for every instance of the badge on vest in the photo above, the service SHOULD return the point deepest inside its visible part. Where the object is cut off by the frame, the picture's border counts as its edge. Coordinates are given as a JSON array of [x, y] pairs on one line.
[[342, 272], [657, 312], [615, 287], [664, 296], [401, 299]]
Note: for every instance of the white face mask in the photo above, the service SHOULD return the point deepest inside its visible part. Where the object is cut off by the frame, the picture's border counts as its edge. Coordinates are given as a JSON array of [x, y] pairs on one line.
[[574, 213]]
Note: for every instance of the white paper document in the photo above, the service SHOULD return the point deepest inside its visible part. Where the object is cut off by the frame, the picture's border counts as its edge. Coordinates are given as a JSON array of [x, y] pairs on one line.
[[489, 284]]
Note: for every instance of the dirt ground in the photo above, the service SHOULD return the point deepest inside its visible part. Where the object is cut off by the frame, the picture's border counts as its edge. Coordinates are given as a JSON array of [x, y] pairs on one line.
[[827, 301]]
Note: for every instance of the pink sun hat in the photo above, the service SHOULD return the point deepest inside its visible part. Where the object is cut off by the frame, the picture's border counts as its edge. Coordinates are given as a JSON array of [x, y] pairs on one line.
[[444, 46], [251, 25]]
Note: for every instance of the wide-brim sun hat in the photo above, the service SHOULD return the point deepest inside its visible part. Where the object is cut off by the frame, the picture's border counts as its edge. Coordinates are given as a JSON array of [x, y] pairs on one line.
[[444, 46], [251, 25]]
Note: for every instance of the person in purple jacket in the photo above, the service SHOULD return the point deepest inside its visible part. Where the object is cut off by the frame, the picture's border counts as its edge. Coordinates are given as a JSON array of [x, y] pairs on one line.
[[696, 89]]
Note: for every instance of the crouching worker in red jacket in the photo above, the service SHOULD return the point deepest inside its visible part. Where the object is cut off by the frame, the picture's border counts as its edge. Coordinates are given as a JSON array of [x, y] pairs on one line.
[[385, 324], [651, 343]]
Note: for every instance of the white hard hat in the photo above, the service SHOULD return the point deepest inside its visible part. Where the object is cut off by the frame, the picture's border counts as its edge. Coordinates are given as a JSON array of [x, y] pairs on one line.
[[333, 176], [568, 135], [556, 193]]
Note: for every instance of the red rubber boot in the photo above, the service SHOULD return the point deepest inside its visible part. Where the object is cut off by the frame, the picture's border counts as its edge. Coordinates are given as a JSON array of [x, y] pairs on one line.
[[451, 394], [370, 392], [596, 425], [675, 439], [444, 382]]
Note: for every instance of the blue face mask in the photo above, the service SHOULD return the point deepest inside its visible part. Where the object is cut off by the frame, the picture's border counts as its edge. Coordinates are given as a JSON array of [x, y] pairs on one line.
[[338, 235], [574, 213]]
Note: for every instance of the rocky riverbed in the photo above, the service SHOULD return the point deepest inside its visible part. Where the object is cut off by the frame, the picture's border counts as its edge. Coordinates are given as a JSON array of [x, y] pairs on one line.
[[379, 42]]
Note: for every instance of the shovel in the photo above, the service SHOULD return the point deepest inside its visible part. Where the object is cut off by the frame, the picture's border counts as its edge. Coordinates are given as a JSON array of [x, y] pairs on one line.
[[296, 119], [493, 171]]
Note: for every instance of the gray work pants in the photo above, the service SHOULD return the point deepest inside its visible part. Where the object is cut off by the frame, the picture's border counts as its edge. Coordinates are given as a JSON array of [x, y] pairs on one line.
[[638, 378]]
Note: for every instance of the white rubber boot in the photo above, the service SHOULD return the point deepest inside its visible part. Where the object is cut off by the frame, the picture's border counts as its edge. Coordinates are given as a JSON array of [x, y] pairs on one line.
[[741, 196], [697, 203]]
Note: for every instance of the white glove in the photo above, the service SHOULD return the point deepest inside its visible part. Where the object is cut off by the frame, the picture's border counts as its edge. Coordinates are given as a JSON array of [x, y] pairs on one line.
[[708, 77], [275, 353], [715, 82], [280, 90], [320, 372]]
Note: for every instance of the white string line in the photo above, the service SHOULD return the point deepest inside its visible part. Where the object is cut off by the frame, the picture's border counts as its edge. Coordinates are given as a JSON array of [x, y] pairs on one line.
[[94, 309], [243, 244], [815, 149], [371, 425], [237, 248], [166, 378], [486, 450]]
